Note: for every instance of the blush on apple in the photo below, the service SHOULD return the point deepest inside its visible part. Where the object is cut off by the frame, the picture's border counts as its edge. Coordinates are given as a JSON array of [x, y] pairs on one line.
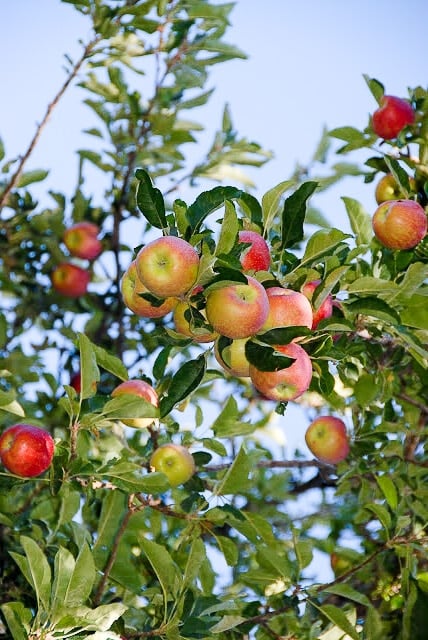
[[400, 224], [256, 257], [392, 116], [285, 384], [131, 287], [82, 240], [175, 461], [70, 280], [141, 389], [26, 450], [325, 309], [287, 308], [327, 439], [168, 266], [238, 310]]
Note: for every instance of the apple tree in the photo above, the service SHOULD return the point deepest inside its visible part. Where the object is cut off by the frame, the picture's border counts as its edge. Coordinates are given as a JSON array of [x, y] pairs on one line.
[[143, 494]]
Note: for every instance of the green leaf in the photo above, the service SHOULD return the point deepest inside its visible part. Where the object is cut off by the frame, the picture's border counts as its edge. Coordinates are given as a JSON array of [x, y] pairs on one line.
[[197, 555], [361, 222], [150, 200], [293, 215], [340, 619], [127, 405], [381, 514], [110, 363], [113, 510], [183, 382], [389, 490], [229, 549], [236, 477], [348, 592], [164, 567], [374, 307], [229, 230], [271, 200], [32, 176], [265, 358], [377, 89], [227, 622], [36, 570], [89, 372], [209, 201], [322, 243], [18, 619], [228, 423]]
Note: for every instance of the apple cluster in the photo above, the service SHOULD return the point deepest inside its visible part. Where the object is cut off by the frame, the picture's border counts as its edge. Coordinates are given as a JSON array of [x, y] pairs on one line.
[[82, 241]]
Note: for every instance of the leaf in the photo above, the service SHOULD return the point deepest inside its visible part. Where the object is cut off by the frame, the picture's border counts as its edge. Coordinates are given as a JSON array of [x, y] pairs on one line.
[[374, 307], [293, 215], [209, 201], [36, 570], [265, 358], [389, 490], [381, 514], [236, 477], [150, 201], [128, 405], [89, 372], [348, 592], [340, 619], [32, 176], [113, 510], [270, 202], [197, 555], [110, 363], [377, 89], [229, 230], [321, 243], [163, 565], [227, 622], [228, 423], [183, 382], [361, 222], [229, 549], [18, 619]]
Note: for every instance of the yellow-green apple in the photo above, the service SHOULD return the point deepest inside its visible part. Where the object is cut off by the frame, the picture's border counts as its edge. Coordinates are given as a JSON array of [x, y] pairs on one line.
[[389, 189], [286, 384], [231, 356], [70, 280], [141, 389], [26, 450], [325, 309], [400, 224], [184, 324], [238, 310], [327, 439], [82, 240], [392, 116], [175, 461], [168, 266], [287, 308], [131, 289], [256, 257]]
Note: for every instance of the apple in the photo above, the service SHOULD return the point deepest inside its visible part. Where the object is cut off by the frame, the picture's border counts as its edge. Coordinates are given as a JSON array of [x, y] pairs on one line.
[[232, 356], [143, 390], [26, 450], [238, 310], [257, 256], [400, 224], [82, 240], [131, 287], [189, 329], [287, 308], [175, 461], [70, 280], [76, 382], [324, 310], [285, 384], [327, 439], [392, 116], [168, 266], [389, 189]]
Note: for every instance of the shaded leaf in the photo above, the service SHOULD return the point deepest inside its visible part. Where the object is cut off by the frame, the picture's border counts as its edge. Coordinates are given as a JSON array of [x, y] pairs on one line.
[[183, 382], [293, 215], [150, 200]]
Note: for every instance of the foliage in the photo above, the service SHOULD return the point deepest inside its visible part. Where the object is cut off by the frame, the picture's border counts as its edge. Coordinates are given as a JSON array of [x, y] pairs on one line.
[[101, 546]]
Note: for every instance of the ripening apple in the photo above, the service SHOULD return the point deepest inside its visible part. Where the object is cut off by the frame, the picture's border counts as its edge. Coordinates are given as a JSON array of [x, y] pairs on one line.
[[325, 309], [392, 116], [327, 439], [182, 325], [238, 310], [175, 461], [232, 357], [26, 450], [141, 389], [82, 240], [131, 287], [70, 280], [285, 384], [168, 266], [257, 256], [389, 189], [287, 308], [400, 224]]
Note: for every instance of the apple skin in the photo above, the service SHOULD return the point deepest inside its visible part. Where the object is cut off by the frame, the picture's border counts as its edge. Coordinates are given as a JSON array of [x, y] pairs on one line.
[[392, 116], [76, 382], [182, 325], [285, 384], [175, 461], [287, 308], [238, 310], [400, 224], [232, 358], [82, 240], [70, 280], [143, 390], [257, 256], [325, 310], [26, 450], [168, 266], [130, 288], [327, 439], [389, 189]]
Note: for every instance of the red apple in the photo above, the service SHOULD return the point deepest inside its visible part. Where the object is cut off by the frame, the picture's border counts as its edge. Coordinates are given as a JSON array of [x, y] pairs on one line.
[[327, 439], [238, 310], [70, 280], [285, 384], [232, 357], [189, 329], [141, 389], [392, 116], [325, 309], [26, 450], [287, 308], [168, 266], [257, 256], [76, 382], [131, 287], [82, 240], [389, 189], [175, 461], [400, 224]]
